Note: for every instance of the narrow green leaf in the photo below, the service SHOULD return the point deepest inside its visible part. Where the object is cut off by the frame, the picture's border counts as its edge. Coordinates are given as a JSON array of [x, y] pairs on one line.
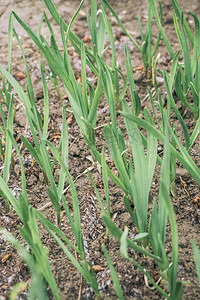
[[123, 92], [95, 102], [180, 90], [196, 49], [101, 36], [115, 152], [177, 29], [179, 15], [186, 55], [140, 186], [183, 125], [117, 233], [120, 23], [8, 151], [93, 25], [151, 157], [196, 258], [2, 116], [24, 190], [37, 283], [113, 274], [124, 252], [10, 41], [84, 271], [64, 139], [30, 148], [84, 84], [8, 194], [105, 180], [164, 184], [53, 199], [47, 224], [185, 158], [47, 168], [46, 104], [161, 30], [97, 155], [111, 37], [76, 210]]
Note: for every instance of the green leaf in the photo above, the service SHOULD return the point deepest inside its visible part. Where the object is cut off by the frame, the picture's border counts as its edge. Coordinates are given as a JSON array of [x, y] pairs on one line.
[[111, 37], [53, 199], [140, 186], [113, 274], [179, 15], [179, 90], [76, 211], [196, 50], [115, 152], [101, 36], [95, 102], [97, 155], [24, 190], [64, 139], [120, 23], [84, 84], [46, 104], [164, 184], [186, 54], [196, 258], [117, 233], [8, 151], [97, 193], [183, 125], [161, 30], [37, 284], [48, 225], [124, 252], [105, 180], [151, 150], [184, 157], [9, 196], [121, 96]]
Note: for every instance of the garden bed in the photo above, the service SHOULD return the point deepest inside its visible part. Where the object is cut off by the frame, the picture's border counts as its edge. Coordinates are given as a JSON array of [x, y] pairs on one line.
[[186, 204]]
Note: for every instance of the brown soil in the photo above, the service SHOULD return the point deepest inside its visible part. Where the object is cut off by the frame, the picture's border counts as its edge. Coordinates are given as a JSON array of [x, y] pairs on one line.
[[68, 279]]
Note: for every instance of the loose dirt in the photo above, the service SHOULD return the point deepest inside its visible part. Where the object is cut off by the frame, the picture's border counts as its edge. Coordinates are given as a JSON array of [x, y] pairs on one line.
[[69, 281]]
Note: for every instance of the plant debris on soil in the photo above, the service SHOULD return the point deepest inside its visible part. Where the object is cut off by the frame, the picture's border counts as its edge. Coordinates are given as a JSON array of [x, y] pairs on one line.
[[187, 203]]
